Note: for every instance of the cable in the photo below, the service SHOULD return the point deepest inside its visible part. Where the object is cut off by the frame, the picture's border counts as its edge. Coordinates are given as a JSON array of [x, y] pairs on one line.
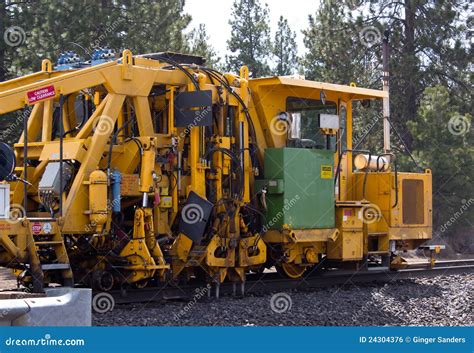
[[225, 82], [404, 145], [181, 68], [236, 161], [113, 141], [366, 134]]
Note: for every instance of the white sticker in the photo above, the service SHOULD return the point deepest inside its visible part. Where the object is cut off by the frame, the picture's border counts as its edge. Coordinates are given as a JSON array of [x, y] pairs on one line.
[[47, 228]]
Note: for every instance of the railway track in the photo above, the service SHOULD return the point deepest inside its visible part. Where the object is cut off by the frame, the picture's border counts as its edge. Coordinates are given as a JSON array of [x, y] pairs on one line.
[[273, 282]]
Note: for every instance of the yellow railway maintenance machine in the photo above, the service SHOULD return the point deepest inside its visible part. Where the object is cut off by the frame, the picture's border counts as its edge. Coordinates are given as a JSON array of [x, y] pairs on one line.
[[152, 168]]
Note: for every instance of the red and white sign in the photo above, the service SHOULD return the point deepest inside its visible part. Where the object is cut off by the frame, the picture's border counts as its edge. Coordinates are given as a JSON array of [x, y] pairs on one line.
[[40, 94], [5, 226], [36, 228]]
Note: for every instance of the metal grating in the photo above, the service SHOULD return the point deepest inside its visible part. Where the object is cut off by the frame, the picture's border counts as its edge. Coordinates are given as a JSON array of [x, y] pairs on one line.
[[413, 201]]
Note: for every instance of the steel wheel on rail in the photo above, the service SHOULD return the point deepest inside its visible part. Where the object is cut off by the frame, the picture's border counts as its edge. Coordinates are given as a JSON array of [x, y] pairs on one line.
[[291, 270]]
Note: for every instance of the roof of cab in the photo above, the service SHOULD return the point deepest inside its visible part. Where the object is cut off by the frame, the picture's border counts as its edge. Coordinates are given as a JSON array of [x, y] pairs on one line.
[[355, 93]]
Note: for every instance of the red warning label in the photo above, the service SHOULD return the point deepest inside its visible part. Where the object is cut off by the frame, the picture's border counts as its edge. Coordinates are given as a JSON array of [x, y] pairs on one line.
[[40, 94], [36, 228]]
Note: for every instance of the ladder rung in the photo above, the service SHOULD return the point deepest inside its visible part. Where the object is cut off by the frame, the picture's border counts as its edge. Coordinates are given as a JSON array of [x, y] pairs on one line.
[[49, 267], [52, 242], [378, 234], [377, 253]]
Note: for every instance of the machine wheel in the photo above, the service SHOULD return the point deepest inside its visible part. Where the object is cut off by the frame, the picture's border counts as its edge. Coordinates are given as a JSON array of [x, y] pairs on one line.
[[290, 270], [102, 280]]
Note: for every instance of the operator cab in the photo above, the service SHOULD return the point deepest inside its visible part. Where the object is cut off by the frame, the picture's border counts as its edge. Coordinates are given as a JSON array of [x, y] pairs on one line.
[[314, 123]]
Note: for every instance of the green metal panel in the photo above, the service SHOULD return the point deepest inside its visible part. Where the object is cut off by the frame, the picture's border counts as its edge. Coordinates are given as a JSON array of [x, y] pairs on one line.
[[300, 188]]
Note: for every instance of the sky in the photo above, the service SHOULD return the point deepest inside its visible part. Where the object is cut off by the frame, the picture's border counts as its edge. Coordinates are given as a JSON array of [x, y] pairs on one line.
[[215, 15]]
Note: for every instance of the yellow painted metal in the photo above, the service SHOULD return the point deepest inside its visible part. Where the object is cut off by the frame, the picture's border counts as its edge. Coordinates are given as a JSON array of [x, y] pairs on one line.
[[381, 191], [98, 199], [148, 167], [142, 251], [73, 150], [212, 258], [301, 235], [34, 123], [349, 245], [47, 130], [343, 91], [252, 251]]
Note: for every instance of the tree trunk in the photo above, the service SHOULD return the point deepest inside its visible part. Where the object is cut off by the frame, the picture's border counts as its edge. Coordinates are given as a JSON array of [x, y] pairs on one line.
[[411, 65]]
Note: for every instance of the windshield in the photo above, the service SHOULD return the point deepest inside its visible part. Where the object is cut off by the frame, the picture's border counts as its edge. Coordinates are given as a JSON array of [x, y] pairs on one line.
[[310, 109]]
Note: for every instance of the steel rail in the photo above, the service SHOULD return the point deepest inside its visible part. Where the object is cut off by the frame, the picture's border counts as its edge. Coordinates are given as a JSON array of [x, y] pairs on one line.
[[273, 282]]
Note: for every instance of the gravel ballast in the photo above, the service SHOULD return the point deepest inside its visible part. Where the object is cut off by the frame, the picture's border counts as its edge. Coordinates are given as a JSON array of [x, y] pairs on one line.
[[437, 301]]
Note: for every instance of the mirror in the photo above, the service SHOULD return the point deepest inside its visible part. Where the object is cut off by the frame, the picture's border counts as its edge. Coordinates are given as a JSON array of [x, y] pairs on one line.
[[295, 131]]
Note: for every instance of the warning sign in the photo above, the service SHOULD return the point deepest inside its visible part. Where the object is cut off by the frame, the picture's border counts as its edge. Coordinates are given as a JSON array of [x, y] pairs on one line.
[[36, 228], [5, 226], [40, 94], [326, 172]]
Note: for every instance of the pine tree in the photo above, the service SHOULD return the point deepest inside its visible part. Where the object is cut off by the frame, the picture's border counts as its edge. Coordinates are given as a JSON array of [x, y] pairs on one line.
[[13, 35], [199, 45], [442, 140], [250, 37], [334, 51], [285, 49], [52, 27], [429, 47]]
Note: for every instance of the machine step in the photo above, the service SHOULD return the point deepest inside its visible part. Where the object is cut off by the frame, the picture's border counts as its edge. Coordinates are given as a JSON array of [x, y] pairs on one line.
[[50, 267], [52, 242], [378, 253], [374, 235]]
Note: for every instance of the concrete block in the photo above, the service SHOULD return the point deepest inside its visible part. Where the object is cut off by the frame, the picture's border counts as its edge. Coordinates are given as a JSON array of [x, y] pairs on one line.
[[11, 309], [62, 307]]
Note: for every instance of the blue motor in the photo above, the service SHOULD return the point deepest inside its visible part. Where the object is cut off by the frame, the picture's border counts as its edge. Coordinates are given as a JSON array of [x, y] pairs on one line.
[[68, 60], [102, 55]]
